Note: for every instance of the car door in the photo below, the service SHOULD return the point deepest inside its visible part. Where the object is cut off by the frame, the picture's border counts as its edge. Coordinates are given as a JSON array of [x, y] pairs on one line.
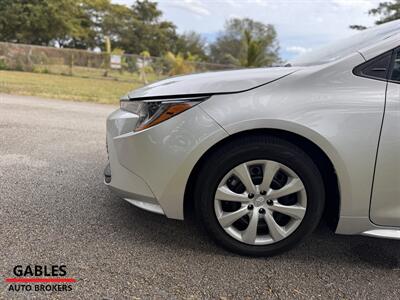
[[385, 201]]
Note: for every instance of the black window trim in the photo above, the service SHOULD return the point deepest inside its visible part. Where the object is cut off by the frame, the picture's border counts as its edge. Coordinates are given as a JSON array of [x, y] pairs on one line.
[[358, 69], [392, 62]]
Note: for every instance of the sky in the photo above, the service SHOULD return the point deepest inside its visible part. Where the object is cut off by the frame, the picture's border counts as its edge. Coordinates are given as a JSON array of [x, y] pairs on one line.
[[301, 25]]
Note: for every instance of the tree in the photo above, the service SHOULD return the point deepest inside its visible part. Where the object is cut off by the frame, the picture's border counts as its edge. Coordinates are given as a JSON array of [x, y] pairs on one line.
[[246, 43], [178, 64], [67, 23], [386, 11], [144, 66], [358, 27], [139, 28], [116, 22], [191, 43], [86, 23], [90, 15]]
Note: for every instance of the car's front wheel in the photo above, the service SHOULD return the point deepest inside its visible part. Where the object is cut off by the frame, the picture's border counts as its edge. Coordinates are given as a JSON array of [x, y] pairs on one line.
[[259, 195]]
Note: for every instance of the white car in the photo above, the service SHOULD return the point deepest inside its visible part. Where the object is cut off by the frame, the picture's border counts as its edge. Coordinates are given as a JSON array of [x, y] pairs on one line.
[[261, 155]]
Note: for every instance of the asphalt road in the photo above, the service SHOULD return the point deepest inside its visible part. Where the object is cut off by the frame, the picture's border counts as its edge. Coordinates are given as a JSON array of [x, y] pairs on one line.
[[54, 209]]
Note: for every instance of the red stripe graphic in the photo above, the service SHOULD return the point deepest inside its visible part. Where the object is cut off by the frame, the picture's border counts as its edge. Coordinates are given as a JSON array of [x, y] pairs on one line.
[[39, 280]]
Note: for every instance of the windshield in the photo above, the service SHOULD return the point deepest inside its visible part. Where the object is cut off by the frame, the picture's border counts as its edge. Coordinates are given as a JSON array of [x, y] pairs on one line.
[[347, 46]]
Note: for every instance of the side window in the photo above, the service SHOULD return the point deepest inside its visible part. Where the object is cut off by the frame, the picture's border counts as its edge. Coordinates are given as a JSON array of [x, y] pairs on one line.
[[395, 76], [376, 68]]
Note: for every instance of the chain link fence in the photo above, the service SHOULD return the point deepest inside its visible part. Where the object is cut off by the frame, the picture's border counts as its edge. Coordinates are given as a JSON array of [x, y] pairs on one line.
[[89, 64]]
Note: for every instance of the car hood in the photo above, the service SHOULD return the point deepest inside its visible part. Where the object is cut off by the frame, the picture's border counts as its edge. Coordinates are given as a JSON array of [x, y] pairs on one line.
[[212, 82]]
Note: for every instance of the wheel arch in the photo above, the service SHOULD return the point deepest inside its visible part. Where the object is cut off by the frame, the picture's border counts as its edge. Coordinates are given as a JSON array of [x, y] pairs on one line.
[[320, 158]]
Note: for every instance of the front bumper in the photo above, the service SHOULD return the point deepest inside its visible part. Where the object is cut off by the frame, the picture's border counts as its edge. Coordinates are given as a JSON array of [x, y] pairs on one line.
[[150, 168], [120, 180]]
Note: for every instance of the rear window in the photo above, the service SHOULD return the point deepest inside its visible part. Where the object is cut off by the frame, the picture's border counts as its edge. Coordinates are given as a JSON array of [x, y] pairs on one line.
[[347, 46]]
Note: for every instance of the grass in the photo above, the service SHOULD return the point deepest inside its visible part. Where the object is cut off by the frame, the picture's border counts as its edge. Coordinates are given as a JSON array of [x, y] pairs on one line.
[[64, 87], [96, 73]]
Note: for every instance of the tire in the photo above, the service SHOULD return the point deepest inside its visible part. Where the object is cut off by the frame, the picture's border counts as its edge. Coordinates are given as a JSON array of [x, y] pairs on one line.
[[246, 150]]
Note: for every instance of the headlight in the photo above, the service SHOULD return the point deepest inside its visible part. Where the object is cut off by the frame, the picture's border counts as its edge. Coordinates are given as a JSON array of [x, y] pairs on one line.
[[153, 112]]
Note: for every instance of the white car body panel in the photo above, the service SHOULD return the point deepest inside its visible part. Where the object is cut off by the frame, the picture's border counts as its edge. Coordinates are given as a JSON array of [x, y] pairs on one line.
[[327, 104], [162, 156], [117, 123], [385, 204]]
